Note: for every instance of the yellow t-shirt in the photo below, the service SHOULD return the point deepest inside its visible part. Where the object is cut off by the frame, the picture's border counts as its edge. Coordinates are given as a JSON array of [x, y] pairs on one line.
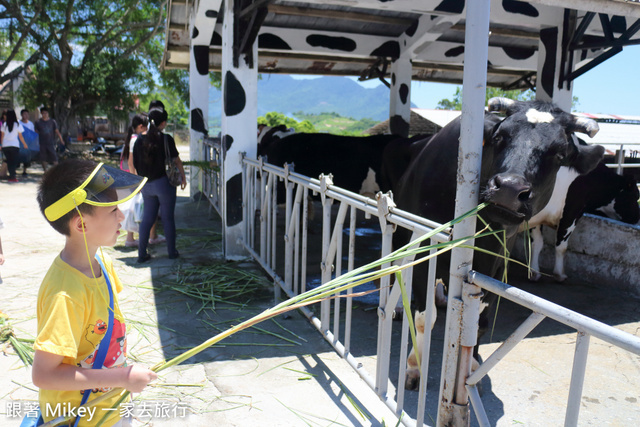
[[73, 312]]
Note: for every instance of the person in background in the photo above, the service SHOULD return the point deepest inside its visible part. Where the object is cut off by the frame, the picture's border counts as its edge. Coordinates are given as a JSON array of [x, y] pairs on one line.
[[3, 167], [47, 129], [158, 194], [138, 127], [27, 124], [1, 253], [11, 138], [24, 120]]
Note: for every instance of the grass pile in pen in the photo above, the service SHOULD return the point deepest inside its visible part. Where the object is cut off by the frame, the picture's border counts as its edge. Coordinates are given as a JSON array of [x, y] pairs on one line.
[[22, 346], [214, 283]]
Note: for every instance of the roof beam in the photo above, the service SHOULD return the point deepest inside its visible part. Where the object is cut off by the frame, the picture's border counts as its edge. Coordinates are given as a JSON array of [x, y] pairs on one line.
[[629, 9], [310, 12]]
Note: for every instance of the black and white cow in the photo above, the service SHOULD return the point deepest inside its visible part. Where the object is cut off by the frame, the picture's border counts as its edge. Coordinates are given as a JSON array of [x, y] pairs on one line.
[[355, 162], [601, 191], [520, 159]]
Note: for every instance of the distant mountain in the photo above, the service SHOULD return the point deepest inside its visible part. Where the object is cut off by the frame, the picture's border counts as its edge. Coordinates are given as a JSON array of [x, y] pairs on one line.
[[341, 95]]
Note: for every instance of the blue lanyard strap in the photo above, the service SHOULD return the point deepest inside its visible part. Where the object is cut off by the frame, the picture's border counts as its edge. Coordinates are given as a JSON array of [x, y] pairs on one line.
[[106, 339]]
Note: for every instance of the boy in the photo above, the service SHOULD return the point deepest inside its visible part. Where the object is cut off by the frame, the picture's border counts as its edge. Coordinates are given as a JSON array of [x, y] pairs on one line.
[[73, 300]]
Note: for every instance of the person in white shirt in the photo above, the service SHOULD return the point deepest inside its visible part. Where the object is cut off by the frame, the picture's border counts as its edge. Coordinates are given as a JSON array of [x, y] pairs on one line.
[[11, 139]]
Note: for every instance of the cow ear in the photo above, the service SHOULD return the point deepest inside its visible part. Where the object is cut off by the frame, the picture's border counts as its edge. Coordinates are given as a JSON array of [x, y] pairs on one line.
[[490, 123], [587, 158]]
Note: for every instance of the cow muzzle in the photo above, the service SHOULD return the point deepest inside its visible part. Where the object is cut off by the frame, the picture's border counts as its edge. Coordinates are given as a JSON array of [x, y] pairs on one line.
[[510, 198]]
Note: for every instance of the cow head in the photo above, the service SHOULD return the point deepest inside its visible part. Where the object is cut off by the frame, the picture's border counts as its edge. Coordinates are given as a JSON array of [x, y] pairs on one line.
[[523, 153]]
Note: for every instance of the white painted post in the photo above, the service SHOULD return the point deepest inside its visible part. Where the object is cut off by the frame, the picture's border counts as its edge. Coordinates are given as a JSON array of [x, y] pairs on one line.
[[400, 96], [239, 112], [201, 27], [549, 68], [454, 408]]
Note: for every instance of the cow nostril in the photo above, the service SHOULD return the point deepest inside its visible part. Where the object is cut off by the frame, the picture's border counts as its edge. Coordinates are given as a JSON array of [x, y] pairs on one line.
[[497, 182], [524, 195]]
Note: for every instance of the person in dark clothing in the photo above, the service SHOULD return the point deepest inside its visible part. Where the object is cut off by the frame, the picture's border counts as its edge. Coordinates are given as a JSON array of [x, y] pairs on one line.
[[158, 193]]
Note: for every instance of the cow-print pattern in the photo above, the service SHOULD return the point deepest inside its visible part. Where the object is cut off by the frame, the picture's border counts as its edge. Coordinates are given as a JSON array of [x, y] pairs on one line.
[[335, 43], [216, 39], [197, 120], [201, 56], [228, 142], [518, 53], [549, 38], [234, 200], [411, 31], [450, 6], [211, 14], [403, 92], [520, 7], [195, 32], [271, 41], [453, 52], [235, 97], [390, 49]]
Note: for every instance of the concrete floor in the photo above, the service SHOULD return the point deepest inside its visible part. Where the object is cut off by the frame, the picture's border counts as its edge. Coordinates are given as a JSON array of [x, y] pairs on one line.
[[295, 379]]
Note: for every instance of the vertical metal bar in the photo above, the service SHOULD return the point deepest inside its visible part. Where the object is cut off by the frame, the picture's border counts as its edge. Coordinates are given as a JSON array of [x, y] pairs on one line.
[[263, 213], [325, 306], [305, 225], [620, 159], [296, 247], [245, 200], [338, 229], [478, 408], [288, 231], [384, 316], [468, 179], [425, 351], [577, 379], [274, 221], [350, 266]]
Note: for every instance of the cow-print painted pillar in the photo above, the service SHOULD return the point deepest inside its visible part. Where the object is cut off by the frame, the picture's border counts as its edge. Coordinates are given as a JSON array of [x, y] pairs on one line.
[[400, 96], [201, 25], [549, 65], [239, 132]]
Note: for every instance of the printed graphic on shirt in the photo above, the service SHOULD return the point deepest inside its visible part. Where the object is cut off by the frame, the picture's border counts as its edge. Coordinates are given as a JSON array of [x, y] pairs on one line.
[[116, 353]]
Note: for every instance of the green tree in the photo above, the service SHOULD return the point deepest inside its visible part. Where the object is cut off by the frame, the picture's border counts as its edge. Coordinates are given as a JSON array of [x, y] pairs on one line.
[[456, 102], [276, 119], [99, 56], [528, 95], [17, 35]]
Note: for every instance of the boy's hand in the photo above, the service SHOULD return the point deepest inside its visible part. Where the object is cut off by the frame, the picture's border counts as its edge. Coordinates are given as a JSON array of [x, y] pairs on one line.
[[137, 378]]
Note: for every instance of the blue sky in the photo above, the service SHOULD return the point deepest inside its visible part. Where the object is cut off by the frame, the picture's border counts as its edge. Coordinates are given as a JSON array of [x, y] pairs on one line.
[[612, 87]]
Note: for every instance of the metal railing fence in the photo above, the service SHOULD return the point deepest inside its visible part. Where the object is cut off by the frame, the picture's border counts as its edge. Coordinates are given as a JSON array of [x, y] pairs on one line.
[[289, 265], [584, 326], [211, 181]]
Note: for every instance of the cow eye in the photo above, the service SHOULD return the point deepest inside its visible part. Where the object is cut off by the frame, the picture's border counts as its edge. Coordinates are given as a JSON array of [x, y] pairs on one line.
[[497, 139], [560, 156]]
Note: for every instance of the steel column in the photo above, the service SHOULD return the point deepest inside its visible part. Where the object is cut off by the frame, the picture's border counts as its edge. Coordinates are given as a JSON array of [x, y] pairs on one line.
[[468, 181]]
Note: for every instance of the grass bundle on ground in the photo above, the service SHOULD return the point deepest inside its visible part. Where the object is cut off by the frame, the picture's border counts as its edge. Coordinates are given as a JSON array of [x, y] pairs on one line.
[[22, 346], [219, 282]]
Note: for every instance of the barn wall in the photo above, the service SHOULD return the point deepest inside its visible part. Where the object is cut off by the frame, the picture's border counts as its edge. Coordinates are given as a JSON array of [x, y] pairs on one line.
[[602, 252]]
